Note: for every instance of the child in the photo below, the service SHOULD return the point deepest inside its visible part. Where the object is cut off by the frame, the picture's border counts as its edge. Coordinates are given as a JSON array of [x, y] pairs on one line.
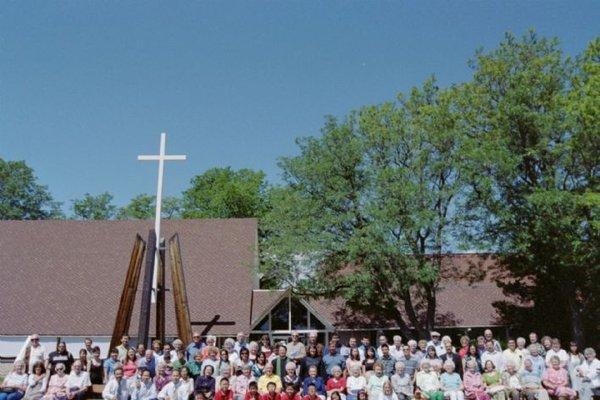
[[252, 393], [271, 392], [290, 393], [224, 393]]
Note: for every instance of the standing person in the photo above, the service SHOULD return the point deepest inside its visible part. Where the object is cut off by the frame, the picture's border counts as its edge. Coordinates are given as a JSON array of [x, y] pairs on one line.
[[280, 362], [451, 383], [35, 350], [36, 383], [78, 382], [370, 360], [312, 358], [472, 355], [195, 347], [556, 380], [129, 363], [402, 382], [489, 337], [464, 346], [493, 355], [333, 358], [295, 349], [14, 385], [589, 372], [574, 361], [353, 360], [428, 382], [240, 342], [83, 358], [381, 341], [110, 364], [436, 343], [387, 360], [396, 347], [62, 356], [123, 348], [512, 354], [450, 355], [265, 346]]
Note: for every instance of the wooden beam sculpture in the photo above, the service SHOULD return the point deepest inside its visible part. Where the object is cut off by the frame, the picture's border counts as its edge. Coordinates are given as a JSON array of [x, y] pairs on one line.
[[123, 318], [144, 324], [182, 311], [160, 293], [210, 324]]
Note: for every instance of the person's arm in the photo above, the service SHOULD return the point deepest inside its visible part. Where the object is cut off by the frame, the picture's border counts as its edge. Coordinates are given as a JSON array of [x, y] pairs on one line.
[[106, 393]]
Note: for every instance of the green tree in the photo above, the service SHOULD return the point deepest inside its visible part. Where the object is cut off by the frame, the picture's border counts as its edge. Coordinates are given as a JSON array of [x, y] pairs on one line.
[[533, 117], [225, 193], [143, 207], [365, 213], [22, 197], [97, 207]]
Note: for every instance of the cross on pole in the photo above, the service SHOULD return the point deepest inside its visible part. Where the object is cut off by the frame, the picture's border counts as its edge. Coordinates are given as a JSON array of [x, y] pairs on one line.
[[161, 158]]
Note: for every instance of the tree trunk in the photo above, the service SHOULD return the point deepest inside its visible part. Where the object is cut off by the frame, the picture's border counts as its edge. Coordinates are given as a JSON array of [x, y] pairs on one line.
[[412, 315], [576, 310]]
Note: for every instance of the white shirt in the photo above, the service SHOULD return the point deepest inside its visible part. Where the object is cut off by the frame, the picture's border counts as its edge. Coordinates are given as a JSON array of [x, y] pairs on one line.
[[591, 372], [396, 352], [174, 391], [496, 357], [114, 390], [439, 347], [146, 391], [561, 354], [515, 356], [355, 384], [80, 381]]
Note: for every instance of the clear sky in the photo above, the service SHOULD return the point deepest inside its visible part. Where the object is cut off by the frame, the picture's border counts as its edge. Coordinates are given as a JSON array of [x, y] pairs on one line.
[[86, 86]]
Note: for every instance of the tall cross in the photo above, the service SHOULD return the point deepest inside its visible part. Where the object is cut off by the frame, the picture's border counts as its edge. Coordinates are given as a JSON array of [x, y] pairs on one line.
[[161, 158]]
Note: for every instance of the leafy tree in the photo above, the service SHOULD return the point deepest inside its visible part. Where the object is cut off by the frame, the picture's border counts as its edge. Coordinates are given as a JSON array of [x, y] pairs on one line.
[[373, 192], [97, 207], [21, 197], [143, 206], [533, 117], [225, 193]]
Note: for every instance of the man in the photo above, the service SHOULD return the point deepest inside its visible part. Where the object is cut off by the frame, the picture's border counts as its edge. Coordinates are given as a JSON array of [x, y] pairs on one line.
[[111, 363], [123, 348], [37, 352], [313, 339], [140, 351], [450, 355], [365, 343], [489, 336], [333, 358], [513, 354], [195, 347], [78, 382], [173, 390], [533, 341], [538, 362], [240, 342], [531, 382], [280, 362], [352, 344], [295, 349], [414, 349], [381, 341], [435, 342], [410, 361], [148, 362], [493, 355], [396, 347], [89, 348], [60, 356], [116, 388], [386, 359], [144, 388]]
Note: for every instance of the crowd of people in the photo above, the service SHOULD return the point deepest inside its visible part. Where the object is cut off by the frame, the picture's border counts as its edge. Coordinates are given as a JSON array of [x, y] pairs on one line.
[[435, 369]]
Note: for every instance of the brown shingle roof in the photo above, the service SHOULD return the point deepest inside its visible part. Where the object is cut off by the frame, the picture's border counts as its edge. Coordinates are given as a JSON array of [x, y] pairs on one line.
[[65, 277]]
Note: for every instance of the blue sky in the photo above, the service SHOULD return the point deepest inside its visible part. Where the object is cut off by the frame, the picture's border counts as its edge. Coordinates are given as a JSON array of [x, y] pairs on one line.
[[86, 86]]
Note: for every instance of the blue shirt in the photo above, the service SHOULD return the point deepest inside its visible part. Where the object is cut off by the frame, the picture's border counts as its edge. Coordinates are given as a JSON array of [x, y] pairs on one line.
[[331, 361], [539, 365], [318, 382], [109, 366], [149, 365], [451, 381], [193, 349]]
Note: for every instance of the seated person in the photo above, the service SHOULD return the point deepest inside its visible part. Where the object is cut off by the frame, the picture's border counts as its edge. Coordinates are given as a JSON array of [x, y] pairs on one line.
[[15, 384], [271, 393], [224, 393], [78, 382], [143, 389], [116, 388], [452, 385]]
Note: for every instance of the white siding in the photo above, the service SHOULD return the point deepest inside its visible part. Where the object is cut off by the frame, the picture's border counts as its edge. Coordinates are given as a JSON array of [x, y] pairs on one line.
[[10, 345]]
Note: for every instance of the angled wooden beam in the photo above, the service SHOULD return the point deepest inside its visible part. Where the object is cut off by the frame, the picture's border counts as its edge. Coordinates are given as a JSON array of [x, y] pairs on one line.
[[123, 318], [182, 310], [210, 324], [160, 293], [144, 324]]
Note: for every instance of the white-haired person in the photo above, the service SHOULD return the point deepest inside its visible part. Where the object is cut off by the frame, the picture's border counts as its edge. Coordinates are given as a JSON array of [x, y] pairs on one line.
[[211, 341], [355, 382], [143, 388], [556, 380], [512, 380], [295, 348], [388, 392], [428, 382], [57, 385], [229, 345], [531, 382], [522, 346], [396, 347], [78, 382], [173, 390], [337, 382], [556, 350], [402, 382], [451, 383], [589, 372], [15, 383], [32, 351], [117, 387], [240, 342], [253, 350], [291, 377]]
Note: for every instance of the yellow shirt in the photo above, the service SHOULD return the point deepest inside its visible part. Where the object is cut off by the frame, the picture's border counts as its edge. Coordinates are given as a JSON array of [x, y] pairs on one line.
[[264, 380]]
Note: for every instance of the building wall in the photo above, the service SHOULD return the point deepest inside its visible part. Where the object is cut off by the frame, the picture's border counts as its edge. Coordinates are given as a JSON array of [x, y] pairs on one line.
[[11, 345]]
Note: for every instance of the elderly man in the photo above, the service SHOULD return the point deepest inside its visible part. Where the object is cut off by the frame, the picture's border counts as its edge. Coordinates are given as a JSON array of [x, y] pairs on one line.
[[436, 343], [531, 382], [37, 352], [489, 336], [513, 354], [240, 342], [396, 347], [195, 347], [295, 349], [148, 362], [78, 382]]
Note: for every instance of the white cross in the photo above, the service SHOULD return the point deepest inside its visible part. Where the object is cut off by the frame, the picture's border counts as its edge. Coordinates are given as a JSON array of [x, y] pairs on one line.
[[161, 158]]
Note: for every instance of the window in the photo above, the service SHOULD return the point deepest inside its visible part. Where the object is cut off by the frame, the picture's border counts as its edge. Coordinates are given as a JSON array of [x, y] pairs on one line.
[[280, 316], [289, 314], [299, 316]]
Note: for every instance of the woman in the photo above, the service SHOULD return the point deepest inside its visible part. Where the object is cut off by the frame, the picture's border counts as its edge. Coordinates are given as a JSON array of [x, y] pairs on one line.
[[434, 361], [492, 380], [15, 384], [265, 346], [370, 360], [195, 365], [355, 382], [353, 360], [242, 361], [313, 380], [223, 363], [472, 355], [450, 381], [335, 396], [229, 345], [312, 359], [57, 386], [187, 383], [240, 387], [205, 384], [291, 378], [83, 358], [555, 350], [556, 380], [337, 382], [388, 392], [473, 382], [259, 365], [129, 364], [37, 382], [376, 381], [95, 368], [402, 382], [575, 359], [161, 379], [510, 379], [428, 382], [464, 346], [253, 349]]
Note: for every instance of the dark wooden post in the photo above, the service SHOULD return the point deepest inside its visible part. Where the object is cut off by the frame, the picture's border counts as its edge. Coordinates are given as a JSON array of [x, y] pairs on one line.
[[144, 324], [160, 293], [123, 318], [182, 311]]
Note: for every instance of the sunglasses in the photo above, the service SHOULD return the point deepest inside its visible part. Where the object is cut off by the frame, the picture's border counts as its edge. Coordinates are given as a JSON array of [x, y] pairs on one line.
[[60, 369], [35, 340]]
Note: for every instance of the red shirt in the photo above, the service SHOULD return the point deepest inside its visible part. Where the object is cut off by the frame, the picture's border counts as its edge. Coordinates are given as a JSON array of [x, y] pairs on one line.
[[296, 396], [307, 397], [267, 396], [221, 395], [333, 384], [249, 396]]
